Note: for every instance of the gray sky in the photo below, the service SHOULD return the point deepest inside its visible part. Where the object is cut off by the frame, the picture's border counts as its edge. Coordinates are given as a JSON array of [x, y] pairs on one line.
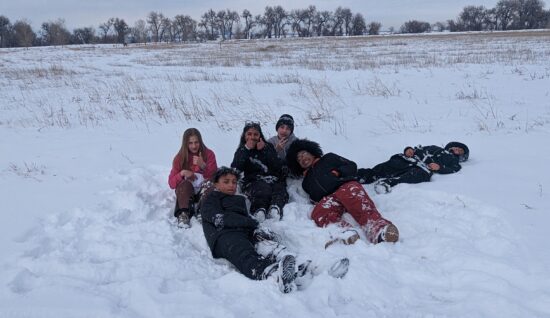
[[93, 12]]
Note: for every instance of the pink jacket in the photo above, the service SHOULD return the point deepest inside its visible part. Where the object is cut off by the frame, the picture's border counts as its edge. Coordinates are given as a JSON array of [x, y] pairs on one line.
[[211, 166]]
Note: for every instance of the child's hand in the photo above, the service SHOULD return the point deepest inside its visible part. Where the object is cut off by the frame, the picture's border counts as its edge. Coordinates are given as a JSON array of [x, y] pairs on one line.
[[198, 161], [260, 145]]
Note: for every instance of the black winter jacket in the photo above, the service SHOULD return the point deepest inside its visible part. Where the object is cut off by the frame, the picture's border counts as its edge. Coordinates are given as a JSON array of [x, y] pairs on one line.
[[258, 164], [223, 213], [320, 181], [447, 161]]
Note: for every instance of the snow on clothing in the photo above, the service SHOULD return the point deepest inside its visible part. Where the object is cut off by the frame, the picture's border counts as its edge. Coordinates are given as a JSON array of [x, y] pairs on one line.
[[282, 153], [403, 169], [330, 182], [263, 182], [185, 189], [231, 234], [350, 197]]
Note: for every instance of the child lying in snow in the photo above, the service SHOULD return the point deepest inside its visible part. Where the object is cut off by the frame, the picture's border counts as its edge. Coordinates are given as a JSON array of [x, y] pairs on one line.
[[231, 233]]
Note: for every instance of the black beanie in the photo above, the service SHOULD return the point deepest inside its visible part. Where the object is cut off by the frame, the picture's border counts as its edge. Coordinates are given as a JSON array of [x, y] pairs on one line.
[[285, 119], [298, 145], [466, 154]]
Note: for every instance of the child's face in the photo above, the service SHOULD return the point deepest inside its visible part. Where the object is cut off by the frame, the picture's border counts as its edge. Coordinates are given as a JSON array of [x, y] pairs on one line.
[[193, 145], [283, 131], [252, 134], [305, 159], [457, 151], [227, 184]]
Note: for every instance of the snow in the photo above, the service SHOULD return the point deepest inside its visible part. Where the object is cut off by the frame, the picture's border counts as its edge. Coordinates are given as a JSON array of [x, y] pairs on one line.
[[87, 135]]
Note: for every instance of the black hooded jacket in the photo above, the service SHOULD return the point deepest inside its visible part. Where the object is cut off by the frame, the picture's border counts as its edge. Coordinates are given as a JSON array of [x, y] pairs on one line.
[[447, 161], [320, 180], [258, 164], [223, 213]]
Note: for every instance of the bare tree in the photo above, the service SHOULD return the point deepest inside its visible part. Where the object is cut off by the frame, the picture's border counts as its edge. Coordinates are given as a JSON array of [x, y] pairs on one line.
[[359, 26], [472, 18], [83, 35], [439, 26], [121, 29], [415, 26], [186, 27], [5, 31], [139, 32], [374, 28], [248, 23], [209, 23], [347, 18], [23, 35], [322, 18], [154, 19], [105, 28], [55, 33]]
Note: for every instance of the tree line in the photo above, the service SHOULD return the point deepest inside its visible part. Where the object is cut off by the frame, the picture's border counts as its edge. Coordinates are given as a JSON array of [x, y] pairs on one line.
[[275, 22]]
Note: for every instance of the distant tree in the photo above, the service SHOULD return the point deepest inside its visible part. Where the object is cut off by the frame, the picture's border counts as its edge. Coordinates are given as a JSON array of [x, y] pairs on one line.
[[55, 33], [105, 28], [472, 18], [248, 23], [321, 22], [139, 32], [374, 28], [415, 26], [209, 23], [186, 27], [83, 35], [359, 26], [347, 19], [23, 35], [121, 29], [439, 26], [166, 31], [5, 31], [337, 22], [154, 20]]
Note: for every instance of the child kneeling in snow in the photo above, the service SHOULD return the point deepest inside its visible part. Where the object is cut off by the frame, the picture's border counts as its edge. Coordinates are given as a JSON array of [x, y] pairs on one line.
[[231, 233]]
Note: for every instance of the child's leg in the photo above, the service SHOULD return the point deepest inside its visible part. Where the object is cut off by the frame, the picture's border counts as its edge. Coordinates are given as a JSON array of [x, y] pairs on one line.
[[184, 191], [259, 194], [328, 210], [357, 203], [239, 251], [279, 195]]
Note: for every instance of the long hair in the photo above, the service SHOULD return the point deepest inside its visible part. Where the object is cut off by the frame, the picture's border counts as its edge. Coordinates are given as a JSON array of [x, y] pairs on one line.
[[248, 126], [183, 154]]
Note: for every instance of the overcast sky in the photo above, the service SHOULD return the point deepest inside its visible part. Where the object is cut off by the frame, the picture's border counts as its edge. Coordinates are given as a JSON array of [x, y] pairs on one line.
[[93, 12]]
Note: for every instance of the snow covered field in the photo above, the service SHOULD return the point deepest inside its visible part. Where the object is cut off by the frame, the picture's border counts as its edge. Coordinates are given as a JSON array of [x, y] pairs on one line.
[[87, 135]]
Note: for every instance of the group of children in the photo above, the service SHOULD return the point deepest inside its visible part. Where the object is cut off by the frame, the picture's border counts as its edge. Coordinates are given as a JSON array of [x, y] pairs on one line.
[[332, 182]]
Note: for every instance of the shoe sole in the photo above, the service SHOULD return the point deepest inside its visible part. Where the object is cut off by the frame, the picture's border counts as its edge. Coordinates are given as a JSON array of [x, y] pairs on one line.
[[288, 274], [392, 234], [348, 241]]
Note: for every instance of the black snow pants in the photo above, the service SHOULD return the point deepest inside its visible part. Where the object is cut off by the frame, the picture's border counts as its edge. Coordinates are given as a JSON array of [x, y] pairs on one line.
[[263, 194], [394, 171], [238, 249]]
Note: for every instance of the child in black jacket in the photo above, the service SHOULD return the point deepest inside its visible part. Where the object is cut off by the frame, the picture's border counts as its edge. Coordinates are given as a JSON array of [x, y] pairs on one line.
[[415, 165], [232, 234], [330, 182], [264, 182]]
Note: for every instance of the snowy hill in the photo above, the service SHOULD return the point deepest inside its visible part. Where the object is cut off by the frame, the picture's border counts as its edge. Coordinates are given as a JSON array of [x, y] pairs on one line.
[[87, 135]]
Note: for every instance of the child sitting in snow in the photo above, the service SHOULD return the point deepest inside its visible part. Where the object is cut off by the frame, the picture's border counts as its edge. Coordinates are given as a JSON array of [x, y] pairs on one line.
[[264, 182], [231, 233]]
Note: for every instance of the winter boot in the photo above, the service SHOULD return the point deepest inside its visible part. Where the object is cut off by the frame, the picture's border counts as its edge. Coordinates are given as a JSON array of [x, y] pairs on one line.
[[275, 213], [286, 274], [388, 233], [260, 214], [346, 237], [340, 268], [304, 275], [183, 219], [382, 187]]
